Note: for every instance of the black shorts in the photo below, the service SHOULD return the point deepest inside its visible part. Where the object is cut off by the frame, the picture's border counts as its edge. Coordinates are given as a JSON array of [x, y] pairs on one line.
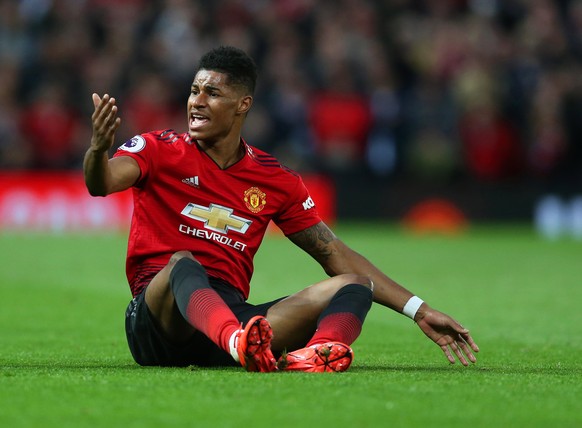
[[149, 347]]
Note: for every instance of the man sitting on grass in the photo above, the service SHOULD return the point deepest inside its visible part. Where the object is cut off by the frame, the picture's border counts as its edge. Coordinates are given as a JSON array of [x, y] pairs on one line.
[[202, 202]]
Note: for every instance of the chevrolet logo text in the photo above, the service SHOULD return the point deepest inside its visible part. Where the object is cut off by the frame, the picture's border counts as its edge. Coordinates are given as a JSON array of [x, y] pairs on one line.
[[213, 236], [217, 221]]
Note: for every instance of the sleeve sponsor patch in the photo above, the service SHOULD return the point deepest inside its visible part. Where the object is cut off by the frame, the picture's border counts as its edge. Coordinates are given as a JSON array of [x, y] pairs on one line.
[[136, 144], [308, 204]]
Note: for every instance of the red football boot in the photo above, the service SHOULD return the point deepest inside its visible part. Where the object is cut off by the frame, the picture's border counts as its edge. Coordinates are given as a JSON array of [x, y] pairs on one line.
[[326, 357], [253, 346]]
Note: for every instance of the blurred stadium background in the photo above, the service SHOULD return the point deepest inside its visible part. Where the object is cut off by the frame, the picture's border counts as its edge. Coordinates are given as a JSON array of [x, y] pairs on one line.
[[432, 112]]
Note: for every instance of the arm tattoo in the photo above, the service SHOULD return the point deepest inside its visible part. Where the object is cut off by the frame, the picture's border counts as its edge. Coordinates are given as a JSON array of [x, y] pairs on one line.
[[316, 241]]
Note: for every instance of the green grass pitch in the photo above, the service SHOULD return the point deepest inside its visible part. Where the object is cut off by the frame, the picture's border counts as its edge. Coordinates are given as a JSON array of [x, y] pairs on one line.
[[64, 361]]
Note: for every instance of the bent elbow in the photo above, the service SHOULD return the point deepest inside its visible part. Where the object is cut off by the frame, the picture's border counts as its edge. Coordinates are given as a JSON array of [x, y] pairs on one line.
[[97, 191]]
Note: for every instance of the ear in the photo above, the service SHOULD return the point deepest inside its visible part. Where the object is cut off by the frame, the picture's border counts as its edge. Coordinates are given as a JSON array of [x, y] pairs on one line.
[[245, 104]]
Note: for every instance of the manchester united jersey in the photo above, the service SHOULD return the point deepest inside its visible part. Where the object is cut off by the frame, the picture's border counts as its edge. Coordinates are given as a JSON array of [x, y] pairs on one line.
[[184, 201]]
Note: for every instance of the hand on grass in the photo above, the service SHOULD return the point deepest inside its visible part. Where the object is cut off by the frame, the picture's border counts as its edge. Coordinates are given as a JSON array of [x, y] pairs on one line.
[[447, 333]]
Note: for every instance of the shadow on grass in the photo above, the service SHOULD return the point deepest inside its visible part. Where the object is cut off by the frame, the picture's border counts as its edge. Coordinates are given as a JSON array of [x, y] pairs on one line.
[[67, 366], [556, 369], [100, 365]]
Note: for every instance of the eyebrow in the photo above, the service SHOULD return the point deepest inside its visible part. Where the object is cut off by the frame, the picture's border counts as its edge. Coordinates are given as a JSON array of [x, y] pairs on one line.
[[207, 87]]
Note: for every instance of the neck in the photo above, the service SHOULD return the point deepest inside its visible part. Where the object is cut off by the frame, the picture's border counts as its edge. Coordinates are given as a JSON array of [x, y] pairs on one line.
[[224, 155]]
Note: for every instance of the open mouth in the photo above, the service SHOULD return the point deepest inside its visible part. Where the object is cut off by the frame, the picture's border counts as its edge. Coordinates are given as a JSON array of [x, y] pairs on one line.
[[197, 120]]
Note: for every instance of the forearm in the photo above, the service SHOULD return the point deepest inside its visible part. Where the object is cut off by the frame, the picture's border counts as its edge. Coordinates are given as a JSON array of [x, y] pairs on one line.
[[96, 172], [387, 292], [100, 178], [337, 258]]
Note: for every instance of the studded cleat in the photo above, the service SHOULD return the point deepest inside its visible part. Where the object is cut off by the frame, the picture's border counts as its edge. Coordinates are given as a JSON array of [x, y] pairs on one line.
[[326, 357], [253, 346]]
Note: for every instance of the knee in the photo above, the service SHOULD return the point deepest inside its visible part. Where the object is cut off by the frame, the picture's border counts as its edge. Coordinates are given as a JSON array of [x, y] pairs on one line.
[[179, 255], [353, 278], [183, 268]]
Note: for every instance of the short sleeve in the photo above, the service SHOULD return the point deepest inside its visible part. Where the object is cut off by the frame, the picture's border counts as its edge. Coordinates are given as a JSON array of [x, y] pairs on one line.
[[299, 213], [142, 149]]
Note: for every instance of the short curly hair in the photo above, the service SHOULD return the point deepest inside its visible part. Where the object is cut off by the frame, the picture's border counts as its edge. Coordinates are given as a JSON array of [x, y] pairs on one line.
[[235, 63]]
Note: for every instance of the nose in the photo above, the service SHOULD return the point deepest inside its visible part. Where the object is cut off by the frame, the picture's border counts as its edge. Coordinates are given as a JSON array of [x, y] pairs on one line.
[[198, 100]]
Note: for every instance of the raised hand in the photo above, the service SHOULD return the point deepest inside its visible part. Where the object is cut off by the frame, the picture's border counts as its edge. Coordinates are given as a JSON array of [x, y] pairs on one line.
[[105, 123]]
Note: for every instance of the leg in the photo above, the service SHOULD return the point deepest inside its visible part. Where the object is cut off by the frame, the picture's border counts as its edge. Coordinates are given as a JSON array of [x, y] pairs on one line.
[[182, 302], [295, 319], [160, 300], [338, 318]]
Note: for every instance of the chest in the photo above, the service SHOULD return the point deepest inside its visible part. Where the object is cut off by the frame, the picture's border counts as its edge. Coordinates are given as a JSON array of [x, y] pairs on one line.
[[196, 182]]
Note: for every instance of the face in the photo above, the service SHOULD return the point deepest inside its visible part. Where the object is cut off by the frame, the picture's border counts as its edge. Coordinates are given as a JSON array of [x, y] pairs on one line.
[[215, 108]]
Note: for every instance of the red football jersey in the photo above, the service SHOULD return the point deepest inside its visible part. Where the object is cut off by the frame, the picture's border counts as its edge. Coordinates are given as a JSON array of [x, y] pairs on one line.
[[184, 201]]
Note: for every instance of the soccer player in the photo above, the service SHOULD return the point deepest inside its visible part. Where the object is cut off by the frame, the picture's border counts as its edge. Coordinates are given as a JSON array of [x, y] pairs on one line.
[[202, 202]]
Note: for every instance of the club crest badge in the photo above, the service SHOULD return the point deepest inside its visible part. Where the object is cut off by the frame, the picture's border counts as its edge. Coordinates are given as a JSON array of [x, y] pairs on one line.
[[255, 200]]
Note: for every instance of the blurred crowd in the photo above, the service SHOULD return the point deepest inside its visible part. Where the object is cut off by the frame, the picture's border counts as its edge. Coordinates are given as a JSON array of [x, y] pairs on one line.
[[488, 90]]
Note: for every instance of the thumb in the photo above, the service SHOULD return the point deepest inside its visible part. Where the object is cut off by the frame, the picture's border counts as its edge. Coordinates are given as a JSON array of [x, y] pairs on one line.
[[96, 100]]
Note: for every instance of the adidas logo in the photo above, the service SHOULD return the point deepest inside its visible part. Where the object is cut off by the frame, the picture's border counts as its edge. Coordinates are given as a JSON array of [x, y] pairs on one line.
[[191, 181]]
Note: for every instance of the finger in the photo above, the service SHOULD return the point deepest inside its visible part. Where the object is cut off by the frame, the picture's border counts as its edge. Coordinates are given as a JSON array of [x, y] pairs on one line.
[[96, 100], [103, 102], [464, 333], [467, 351], [106, 102], [113, 127], [111, 122], [102, 109], [466, 343], [458, 327], [112, 115], [448, 354], [467, 338], [459, 354], [106, 112]]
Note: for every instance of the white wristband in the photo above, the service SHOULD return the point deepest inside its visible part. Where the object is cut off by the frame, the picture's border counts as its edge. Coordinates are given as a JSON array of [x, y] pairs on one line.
[[411, 307]]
